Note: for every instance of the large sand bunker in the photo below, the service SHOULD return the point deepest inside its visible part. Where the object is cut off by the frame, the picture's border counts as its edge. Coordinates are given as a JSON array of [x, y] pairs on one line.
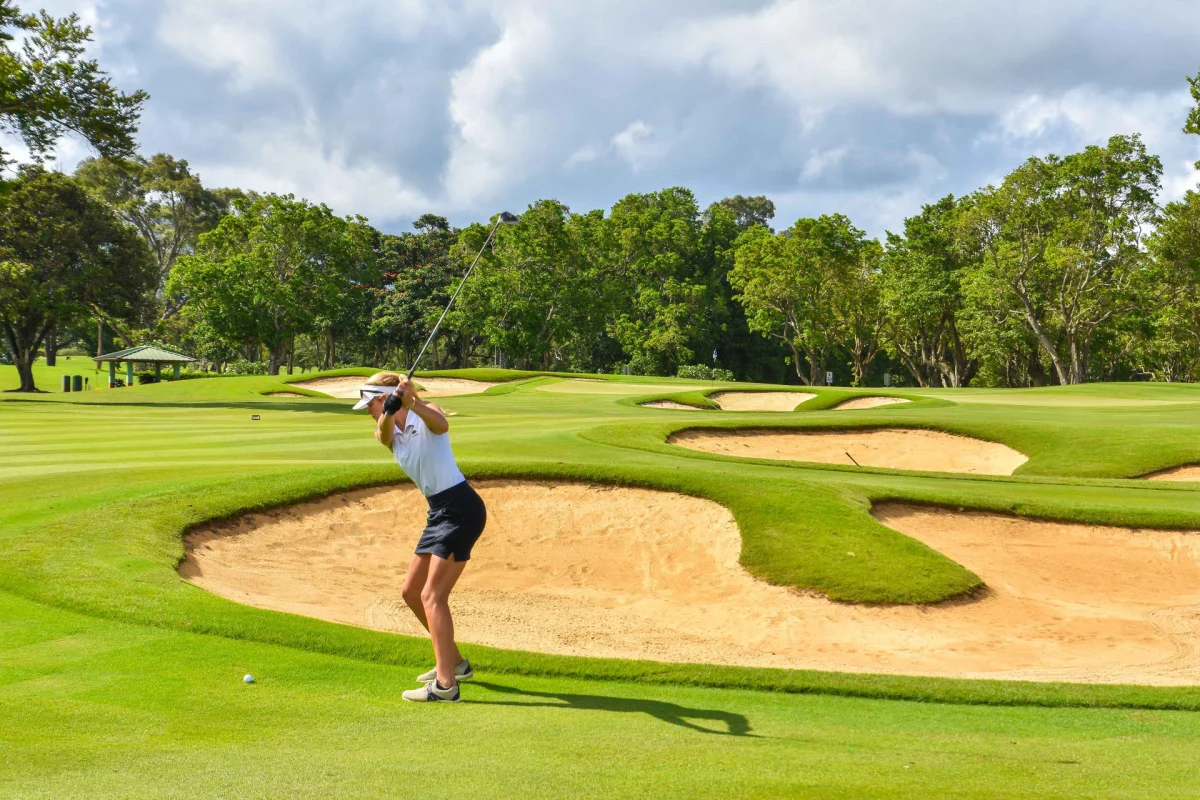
[[1188, 472], [760, 401], [895, 448], [589, 570], [347, 388], [859, 403]]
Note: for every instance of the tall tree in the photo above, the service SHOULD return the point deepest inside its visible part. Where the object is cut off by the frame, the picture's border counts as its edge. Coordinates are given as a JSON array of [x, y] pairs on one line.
[[750, 211], [789, 285], [1192, 124], [921, 295], [1064, 238], [655, 243], [859, 308], [163, 200], [47, 87], [532, 296], [63, 254], [418, 270], [1171, 347], [272, 270]]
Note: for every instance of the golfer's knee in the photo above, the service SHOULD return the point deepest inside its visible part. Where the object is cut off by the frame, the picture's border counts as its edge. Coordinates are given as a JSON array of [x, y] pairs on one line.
[[432, 598], [411, 594]]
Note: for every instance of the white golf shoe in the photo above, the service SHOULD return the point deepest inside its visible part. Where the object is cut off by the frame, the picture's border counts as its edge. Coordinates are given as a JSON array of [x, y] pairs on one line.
[[462, 672], [431, 692]]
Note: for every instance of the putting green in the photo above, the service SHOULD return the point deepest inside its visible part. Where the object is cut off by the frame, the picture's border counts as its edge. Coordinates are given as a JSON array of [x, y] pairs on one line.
[[116, 674]]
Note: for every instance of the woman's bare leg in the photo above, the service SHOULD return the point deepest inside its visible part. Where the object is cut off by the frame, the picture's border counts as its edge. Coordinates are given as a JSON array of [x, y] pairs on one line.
[[435, 597], [414, 582]]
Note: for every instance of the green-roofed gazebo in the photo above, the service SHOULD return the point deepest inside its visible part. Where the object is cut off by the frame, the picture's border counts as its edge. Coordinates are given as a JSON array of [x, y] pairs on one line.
[[146, 354]]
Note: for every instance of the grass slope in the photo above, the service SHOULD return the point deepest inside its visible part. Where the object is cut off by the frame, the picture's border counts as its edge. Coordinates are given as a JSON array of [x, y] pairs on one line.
[[119, 679]]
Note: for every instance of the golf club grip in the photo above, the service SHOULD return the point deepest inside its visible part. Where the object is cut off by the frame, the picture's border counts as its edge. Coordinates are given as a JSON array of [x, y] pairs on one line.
[[453, 297]]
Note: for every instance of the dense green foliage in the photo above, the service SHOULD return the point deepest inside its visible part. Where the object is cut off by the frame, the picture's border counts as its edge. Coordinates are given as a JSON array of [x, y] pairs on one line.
[[272, 271], [63, 256], [47, 88]]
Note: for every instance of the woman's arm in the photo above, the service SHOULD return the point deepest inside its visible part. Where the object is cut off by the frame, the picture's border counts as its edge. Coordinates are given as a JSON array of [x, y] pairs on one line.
[[385, 429], [434, 419]]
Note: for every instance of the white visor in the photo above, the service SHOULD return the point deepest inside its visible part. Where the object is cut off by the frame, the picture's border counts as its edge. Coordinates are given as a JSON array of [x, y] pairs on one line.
[[369, 392]]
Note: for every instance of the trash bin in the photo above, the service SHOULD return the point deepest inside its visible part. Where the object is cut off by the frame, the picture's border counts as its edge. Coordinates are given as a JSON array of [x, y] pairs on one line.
[[66, 383], [77, 383]]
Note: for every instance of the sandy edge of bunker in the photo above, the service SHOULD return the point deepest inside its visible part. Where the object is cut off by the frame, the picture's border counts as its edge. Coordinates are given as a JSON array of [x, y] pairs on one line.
[[892, 448], [346, 388], [1184, 472]]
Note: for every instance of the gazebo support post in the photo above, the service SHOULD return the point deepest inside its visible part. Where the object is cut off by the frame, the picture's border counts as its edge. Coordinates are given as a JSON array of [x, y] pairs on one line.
[[112, 374], [157, 372], [175, 371], [129, 373]]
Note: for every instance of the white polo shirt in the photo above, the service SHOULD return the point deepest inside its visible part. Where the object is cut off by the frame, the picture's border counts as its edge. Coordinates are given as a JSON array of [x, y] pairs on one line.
[[425, 456]]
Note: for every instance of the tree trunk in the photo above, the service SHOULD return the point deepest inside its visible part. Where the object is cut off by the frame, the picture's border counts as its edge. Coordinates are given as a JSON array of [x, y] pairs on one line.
[[330, 349], [291, 354], [796, 361], [24, 349], [1037, 375], [275, 356], [52, 347], [99, 337]]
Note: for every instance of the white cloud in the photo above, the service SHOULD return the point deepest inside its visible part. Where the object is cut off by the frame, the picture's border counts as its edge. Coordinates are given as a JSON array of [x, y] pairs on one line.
[[211, 37], [822, 161], [584, 155], [328, 177], [869, 107], [638, 146]]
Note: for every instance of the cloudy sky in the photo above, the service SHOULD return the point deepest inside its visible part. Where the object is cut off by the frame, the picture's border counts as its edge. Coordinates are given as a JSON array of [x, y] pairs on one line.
[[392, 108]]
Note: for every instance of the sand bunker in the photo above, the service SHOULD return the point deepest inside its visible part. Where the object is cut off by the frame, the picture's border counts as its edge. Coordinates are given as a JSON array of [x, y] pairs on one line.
[[589, 570], [868, 402], [284, 394], [347, 388], [895, 448], [1188, 472], [760, 401], [671, 404]]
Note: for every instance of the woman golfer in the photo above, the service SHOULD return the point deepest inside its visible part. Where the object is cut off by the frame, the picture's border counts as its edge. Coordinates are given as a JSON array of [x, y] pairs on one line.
[[416, 433]]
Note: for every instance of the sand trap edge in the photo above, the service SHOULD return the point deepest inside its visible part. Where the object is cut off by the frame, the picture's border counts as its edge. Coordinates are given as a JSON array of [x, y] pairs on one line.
[[1182, 473], [841, 459], [863, 402]]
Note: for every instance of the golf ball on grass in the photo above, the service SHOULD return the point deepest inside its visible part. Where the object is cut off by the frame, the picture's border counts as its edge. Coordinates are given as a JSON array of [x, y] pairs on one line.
[[248, 679]]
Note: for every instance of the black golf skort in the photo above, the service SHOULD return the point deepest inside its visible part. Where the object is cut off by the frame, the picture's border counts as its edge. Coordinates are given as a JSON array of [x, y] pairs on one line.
[[456, 519]]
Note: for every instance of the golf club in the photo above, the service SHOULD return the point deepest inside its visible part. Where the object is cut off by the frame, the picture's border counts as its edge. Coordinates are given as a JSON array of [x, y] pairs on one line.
[[505, 218]]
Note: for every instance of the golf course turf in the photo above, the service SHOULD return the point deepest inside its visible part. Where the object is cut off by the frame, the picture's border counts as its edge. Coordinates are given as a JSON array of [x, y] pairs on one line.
[[119, 678]]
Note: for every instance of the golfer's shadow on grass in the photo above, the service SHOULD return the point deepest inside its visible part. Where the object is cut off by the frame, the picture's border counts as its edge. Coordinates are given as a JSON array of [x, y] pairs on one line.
[[735, 724]]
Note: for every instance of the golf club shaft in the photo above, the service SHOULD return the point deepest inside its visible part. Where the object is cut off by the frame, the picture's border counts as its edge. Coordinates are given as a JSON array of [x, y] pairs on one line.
[[453, 297]]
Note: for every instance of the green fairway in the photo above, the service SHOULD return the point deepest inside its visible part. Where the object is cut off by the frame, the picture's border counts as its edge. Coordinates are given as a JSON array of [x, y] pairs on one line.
[[118, 678]]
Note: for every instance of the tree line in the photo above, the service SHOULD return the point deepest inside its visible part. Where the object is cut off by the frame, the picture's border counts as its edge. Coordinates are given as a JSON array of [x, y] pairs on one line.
[[1068, 271]]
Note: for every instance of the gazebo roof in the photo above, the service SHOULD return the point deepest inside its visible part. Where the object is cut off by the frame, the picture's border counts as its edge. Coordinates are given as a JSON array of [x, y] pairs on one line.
[[146, 353]]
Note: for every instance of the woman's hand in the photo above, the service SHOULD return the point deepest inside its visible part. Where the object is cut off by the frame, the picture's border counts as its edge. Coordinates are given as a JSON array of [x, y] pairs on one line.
[[408, 394]]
